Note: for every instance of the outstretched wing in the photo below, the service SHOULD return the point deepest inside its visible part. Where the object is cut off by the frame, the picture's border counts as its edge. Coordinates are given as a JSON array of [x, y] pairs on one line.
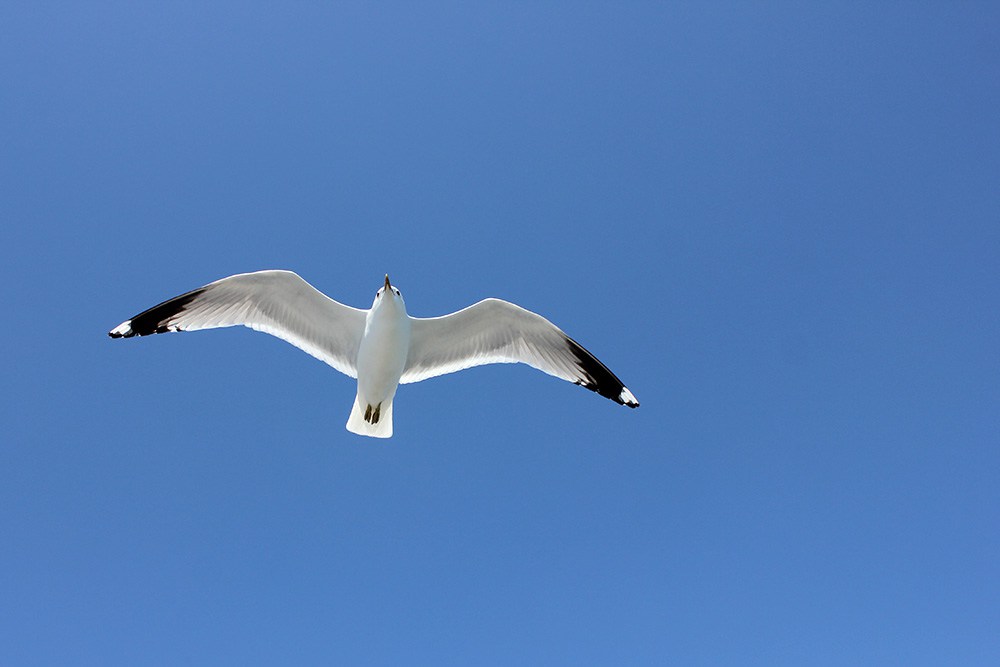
[[276, 302], [498, 332]]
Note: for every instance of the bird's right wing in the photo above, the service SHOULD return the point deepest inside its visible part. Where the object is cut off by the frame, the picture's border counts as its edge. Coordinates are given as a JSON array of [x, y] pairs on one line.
[[495, 332], [276, 302]]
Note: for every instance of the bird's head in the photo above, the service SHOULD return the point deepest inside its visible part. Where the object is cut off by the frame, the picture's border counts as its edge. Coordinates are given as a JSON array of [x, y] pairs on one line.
[[387, 294]]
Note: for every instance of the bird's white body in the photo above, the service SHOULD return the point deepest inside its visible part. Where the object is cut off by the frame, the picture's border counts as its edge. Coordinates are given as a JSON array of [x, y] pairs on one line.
[[382, 347], [381, 360]]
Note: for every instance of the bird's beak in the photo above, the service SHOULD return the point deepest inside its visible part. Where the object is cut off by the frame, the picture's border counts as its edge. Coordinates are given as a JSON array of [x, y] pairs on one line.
[[387, 285]]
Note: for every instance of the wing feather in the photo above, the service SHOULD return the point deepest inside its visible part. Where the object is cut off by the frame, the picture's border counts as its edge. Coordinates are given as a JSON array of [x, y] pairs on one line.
[[494, 331], [279, 303]]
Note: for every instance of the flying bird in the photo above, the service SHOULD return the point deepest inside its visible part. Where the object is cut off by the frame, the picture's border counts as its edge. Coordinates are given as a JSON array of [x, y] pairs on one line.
[[382, 347]]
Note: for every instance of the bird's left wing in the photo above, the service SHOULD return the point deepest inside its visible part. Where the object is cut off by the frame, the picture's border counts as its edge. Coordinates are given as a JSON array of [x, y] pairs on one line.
[[276, 302], [495, 332]]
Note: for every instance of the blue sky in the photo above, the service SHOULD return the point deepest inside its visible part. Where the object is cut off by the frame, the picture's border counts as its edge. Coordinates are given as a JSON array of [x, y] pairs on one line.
[[777, 223]]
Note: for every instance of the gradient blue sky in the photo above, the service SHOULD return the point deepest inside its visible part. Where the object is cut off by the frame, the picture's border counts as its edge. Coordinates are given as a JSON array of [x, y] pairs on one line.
[[777, 223]]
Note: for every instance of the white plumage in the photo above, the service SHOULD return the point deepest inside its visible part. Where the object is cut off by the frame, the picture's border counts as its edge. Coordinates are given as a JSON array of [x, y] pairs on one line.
[[382, 347]]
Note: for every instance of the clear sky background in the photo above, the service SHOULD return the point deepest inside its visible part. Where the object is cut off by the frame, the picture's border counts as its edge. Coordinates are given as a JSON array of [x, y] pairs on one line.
[[778, 223]]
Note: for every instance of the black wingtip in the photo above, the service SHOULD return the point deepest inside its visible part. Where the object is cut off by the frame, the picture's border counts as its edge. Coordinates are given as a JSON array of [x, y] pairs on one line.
[[596, 377], [154, 320]]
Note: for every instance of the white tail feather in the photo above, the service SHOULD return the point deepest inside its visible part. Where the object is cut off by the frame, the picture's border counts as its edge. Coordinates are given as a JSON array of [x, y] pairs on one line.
[[356, 423]]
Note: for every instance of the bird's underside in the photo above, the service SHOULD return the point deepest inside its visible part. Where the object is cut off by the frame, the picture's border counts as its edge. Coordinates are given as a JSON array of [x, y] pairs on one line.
[[381, 347]]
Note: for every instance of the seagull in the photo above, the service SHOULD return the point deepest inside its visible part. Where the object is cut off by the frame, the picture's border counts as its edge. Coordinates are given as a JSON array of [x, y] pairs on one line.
[[381, 347]]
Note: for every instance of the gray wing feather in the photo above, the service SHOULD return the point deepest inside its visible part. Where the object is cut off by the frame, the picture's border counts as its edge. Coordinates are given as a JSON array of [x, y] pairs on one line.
[[497, 332], [279, 303]]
